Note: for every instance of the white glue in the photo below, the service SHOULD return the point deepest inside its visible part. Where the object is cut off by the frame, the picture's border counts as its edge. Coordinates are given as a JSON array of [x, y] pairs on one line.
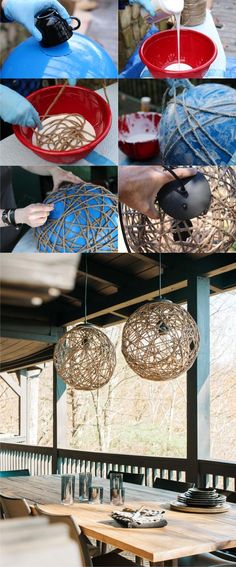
[[173, 7], [178, 67], [141, 137], [143, 129]]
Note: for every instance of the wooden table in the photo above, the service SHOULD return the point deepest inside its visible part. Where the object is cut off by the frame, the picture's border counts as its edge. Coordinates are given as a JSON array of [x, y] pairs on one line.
[[185, 534]]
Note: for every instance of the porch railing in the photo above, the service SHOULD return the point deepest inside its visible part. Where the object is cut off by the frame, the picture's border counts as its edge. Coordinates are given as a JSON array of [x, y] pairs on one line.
[[99, 464], [44, 460], [16, 456]]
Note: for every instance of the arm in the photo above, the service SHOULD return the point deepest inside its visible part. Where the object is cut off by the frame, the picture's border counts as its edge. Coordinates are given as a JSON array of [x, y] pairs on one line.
[[32, 215], [139, 185]]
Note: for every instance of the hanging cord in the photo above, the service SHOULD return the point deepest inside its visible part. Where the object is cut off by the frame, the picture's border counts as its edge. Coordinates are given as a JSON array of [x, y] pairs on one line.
[[160, 276], [86, 290]]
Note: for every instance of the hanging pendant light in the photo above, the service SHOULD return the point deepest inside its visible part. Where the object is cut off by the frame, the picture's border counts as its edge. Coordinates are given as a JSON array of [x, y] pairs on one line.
[[84, 357], [160, 340]]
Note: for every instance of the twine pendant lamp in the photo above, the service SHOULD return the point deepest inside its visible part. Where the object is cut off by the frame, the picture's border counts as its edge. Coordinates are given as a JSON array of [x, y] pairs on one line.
[[160, 340], [84, 357]]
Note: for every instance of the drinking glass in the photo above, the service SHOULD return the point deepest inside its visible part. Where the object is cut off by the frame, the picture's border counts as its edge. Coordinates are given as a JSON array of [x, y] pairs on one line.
[[67, 489], [117, 492], [96, 494], [85, 481]]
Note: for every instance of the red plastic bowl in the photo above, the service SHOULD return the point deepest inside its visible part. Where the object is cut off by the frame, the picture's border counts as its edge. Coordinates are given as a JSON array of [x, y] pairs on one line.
[[73, 100], [161, 50], [134, 124]]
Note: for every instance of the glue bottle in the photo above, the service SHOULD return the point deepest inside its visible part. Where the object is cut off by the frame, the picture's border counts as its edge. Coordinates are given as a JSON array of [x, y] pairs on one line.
[[168, 6]]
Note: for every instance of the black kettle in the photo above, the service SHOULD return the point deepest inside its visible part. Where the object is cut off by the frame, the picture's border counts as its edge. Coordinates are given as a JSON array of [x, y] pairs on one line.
[[54, 28]]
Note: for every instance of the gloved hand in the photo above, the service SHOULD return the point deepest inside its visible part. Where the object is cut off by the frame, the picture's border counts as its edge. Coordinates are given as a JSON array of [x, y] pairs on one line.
[[16, 109], [146, 4], [25, 11]]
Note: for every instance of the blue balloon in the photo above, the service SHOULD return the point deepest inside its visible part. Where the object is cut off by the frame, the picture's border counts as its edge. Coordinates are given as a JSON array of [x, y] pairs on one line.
[[198, 126], [84, 219], [78, 58]]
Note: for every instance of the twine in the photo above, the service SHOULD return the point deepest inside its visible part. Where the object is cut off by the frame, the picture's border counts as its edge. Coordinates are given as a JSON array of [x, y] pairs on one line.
[[88, 223], [64, 133], [160, 341], [194, 12], [190, 124], [207, 234], [67, 132]]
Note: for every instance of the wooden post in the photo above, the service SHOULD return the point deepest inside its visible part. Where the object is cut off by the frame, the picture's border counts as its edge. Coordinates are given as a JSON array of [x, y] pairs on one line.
[[59, 417], [23, 405], [198, 379]]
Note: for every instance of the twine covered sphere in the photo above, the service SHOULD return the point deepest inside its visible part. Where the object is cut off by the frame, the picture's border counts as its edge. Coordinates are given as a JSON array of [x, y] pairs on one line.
[[212, 232], [85, 358], [84, 219], [160, 341], [198, 126]]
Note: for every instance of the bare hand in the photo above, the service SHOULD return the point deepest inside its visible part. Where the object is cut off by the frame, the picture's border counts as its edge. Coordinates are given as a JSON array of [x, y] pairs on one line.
[[59, 175], [33, 215], [139, 185]]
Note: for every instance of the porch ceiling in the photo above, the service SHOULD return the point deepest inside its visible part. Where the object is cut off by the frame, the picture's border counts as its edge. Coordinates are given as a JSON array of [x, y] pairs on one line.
[[117, 285], [16, 353]]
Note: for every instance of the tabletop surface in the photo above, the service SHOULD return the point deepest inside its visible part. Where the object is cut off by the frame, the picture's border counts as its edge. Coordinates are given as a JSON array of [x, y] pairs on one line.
[[12, 152], [185, 534]]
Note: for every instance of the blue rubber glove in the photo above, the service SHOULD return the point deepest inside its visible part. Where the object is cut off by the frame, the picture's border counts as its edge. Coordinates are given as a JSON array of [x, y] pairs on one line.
[[25, 11], [146, 4], [16, 109]]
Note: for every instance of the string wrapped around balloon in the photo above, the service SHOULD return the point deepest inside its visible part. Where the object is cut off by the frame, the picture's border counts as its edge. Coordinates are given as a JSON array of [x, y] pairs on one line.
[[84, 219], [212, 231], [198, 125]]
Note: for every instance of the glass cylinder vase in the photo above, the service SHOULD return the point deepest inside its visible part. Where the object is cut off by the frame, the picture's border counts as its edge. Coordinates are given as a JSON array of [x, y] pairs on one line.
[[67, 489], [85, 481]]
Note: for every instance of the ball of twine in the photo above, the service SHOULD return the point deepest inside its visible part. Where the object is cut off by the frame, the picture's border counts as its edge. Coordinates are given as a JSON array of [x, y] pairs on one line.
[[194, 12], [84, 219], [212, 232], [160, 341], [85, 358]]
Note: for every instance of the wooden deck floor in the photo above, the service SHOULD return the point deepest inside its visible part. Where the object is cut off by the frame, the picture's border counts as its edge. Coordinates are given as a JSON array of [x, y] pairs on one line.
[[225, 12]]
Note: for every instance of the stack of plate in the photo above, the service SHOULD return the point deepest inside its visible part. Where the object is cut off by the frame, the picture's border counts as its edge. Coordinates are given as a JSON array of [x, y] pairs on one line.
[[202, 498]]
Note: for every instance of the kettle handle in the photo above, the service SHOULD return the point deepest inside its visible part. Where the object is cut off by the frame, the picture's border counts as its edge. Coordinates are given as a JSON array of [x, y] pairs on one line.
[[78, 22]]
